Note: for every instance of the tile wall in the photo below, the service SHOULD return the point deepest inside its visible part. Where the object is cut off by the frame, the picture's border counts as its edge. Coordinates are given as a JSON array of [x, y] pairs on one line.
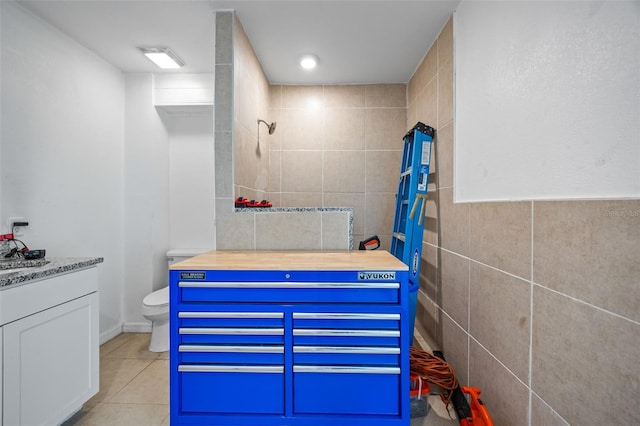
[[535, 302], [339, 146], [241, 97]]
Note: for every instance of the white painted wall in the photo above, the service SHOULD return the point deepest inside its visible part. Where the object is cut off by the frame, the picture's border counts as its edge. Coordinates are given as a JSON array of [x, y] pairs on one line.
[[547, 100], [146, 193], [61, 147], [192, 180]]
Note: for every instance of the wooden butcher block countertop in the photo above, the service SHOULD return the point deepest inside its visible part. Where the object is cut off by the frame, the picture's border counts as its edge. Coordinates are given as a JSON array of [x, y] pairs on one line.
[[377, 260]]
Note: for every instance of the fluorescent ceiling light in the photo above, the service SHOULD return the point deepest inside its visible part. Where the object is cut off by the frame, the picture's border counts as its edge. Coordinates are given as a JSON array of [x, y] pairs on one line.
[[162, 57], [309, 62]]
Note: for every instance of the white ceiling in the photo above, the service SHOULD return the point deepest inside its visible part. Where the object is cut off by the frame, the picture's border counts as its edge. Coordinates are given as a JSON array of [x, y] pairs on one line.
[[357, 41]]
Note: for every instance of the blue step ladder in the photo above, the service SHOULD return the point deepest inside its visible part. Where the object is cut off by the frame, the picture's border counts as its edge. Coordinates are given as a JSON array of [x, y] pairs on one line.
[[411, 200]]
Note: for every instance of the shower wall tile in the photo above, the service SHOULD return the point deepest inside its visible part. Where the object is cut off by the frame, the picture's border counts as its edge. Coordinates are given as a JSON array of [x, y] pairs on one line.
[[234, 231], [296, 199], [427, 104], [275, 158], [500, 236], [454, 288], [506, 397], [386, 96], [223, 165], [224, 38], [385, 128], [344, 96], [499, 316], [288, 231], [577, 348], [382, 171], [589, 250], [343, 171], [542, 414], [301, 129], [302, 97], [353, 200], [335, 231], [275, 96], [223, 98], [244, 153], [274, 140], [344, 129], [380, 209], [301, 171], [453, 222]]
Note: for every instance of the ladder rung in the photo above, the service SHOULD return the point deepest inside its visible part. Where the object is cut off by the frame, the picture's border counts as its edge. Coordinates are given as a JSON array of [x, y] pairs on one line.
[[406, 172], [399, 236]]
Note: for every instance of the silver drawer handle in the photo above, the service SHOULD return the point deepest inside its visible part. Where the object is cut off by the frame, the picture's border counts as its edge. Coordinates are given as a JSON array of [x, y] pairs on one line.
[[335, 332], [328, 315], [204, 284], [230, 315], [346, 350], [232, 349], [230, 369], [340, 369], [252, 331]]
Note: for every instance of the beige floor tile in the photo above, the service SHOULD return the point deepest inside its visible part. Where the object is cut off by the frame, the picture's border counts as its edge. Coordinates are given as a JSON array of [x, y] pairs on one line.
[[115, 374], [115, 343], [108, 414], [136, 347], [163, 355], [151, 386]]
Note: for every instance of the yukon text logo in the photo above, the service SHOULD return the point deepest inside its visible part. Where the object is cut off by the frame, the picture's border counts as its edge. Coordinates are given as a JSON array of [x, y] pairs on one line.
[[364, 276]]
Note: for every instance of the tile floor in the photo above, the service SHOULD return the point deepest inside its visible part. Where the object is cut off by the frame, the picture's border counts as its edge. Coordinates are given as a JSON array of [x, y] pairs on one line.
[[134, 389]]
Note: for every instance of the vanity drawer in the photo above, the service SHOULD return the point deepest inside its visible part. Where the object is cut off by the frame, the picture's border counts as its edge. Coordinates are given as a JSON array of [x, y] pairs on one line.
[[290, 292]]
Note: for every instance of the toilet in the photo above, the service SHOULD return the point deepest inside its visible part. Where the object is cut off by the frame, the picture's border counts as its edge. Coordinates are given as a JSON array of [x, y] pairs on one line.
[[155, 306]]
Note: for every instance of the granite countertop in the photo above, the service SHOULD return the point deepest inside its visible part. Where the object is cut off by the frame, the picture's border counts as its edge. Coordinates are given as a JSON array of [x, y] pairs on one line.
[[12, 272]]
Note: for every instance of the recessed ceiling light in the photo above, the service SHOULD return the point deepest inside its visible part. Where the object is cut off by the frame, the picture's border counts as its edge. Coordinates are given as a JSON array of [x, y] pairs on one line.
[[309, 62], [162, 57]]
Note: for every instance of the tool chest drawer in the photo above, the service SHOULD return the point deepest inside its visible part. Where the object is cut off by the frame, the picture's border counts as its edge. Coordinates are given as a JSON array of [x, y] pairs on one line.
[[346, 390], [290, 292], [233, 389], [302, 347]]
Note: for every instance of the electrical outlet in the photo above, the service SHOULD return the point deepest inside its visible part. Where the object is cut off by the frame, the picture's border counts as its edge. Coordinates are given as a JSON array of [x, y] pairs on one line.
[[18, 231]]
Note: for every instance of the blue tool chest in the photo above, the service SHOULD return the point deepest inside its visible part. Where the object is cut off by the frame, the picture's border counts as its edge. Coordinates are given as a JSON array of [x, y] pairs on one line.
[[291, 347]]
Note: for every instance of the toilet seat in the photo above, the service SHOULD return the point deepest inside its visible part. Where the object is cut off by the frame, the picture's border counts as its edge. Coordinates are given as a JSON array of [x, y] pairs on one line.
[[156, 303]]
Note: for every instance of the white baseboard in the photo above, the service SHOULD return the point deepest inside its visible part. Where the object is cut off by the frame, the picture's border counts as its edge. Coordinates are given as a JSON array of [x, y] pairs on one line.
[[107, 335], [136, 327]]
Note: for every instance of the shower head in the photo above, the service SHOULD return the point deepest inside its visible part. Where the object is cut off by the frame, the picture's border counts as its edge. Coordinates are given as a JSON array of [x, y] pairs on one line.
[[271, 126]]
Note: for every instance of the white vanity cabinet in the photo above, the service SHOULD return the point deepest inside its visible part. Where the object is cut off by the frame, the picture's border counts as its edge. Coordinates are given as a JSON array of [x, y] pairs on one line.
[[49, 347]]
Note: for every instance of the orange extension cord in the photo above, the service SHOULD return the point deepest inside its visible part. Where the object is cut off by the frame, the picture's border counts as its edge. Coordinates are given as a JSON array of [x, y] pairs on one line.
[[434, 370]]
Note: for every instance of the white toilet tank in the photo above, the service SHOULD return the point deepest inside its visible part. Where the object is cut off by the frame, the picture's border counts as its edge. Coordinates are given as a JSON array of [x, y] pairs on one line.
[[178, 255]]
